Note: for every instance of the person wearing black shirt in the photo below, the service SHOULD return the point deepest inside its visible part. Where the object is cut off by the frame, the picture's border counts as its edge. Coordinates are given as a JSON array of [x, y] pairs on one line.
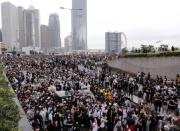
[[38, 121], [131, 89], [130, 122], [111, 118], [56, 126], [153, 124], [50, 126]]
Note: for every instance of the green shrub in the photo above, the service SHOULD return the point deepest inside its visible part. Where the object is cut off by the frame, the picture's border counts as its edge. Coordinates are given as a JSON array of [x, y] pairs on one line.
[[9, 113]]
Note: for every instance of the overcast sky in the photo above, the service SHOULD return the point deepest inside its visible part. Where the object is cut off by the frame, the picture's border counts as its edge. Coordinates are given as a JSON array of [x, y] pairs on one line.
[[143, 21]]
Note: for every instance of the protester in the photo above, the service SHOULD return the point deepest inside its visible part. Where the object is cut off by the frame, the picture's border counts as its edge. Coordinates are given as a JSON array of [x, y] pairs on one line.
[[36, 79]]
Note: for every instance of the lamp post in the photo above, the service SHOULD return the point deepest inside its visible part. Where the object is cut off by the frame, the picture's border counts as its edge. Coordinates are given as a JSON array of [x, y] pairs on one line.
[[63, 8]]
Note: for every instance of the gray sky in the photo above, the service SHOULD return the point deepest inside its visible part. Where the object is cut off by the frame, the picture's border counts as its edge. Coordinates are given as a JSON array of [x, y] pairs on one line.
[[143, 21]]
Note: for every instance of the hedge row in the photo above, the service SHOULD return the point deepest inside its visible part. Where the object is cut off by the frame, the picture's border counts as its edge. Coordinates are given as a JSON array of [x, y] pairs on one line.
[[2, 78], [9, 114], [160, 54]]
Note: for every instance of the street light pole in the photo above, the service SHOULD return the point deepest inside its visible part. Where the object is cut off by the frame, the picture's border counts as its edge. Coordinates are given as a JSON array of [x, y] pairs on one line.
[[63, 8]]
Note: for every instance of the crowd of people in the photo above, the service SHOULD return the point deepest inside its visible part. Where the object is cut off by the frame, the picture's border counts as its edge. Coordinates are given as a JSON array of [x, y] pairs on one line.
[[111, 107]]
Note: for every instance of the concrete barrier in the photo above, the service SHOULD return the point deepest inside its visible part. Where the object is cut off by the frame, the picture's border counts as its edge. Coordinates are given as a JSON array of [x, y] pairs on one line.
[[162, 66]]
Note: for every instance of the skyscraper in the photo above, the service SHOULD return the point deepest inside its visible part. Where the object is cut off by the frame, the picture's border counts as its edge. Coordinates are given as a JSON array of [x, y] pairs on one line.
[[0, 35], [79, 24], [113, 42], [44, 37], [21, 30], [32, 27], [10, 25], [54, 31]]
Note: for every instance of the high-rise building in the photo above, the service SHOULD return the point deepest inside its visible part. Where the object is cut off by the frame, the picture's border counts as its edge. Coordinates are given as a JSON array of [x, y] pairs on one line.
[[32, 27], [44, 38], [113, 42], [0, 35], [68, 43], [21, 31], [79, 24], [54, 31], [10, 25]]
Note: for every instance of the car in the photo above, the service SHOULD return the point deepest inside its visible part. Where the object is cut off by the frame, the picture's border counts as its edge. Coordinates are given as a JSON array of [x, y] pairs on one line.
[[62, 94], [86, 91]]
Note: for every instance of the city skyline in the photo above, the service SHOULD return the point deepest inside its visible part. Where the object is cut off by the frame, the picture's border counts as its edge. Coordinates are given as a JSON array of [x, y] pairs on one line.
[[141, 21], [20, 27]]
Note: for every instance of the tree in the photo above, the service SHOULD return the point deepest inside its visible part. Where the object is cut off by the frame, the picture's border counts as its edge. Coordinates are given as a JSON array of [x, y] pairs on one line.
[[176, 48], [144, 48], [150, 48], [133, 50], [124, 51], [163, 48], [172, 48], [138, 50]]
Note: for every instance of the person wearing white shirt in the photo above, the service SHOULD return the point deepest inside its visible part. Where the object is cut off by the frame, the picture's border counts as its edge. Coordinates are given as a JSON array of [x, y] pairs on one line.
[[95, 125], [118, 126], [95, 114], [103, 122], [157, 87], [43, 115], [99, 113], [50, 117], [104, 110], [140, 87]]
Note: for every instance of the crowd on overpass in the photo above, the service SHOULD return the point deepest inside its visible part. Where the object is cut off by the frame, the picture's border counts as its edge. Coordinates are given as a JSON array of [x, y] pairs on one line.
[[110, 108]]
